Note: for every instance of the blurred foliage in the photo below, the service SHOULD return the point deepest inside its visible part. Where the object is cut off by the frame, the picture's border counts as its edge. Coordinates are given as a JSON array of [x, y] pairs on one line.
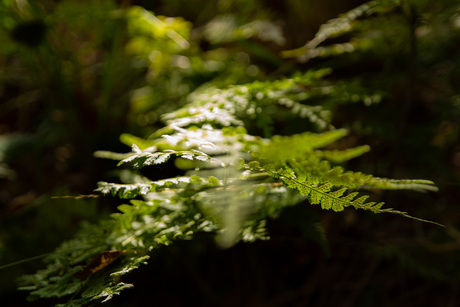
[[75, 75]]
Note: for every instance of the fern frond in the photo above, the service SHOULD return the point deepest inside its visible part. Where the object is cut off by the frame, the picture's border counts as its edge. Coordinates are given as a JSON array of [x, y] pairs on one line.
[[140, 158], [329, 200], [420, 185], [129, 191], [229, 107], [339, 156], [339, 26], [333, 200], [318, 170], [124, 191], [300, 145]]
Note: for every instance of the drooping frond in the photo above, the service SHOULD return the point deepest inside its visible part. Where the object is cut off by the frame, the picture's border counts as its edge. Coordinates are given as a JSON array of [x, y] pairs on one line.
[[329, 197]]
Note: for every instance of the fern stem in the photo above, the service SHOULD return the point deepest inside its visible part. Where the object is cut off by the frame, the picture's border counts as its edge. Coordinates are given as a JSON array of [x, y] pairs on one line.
[[24, 260]]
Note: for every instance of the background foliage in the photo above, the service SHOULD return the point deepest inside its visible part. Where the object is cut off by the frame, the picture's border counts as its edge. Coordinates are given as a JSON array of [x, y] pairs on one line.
[[75, 75]]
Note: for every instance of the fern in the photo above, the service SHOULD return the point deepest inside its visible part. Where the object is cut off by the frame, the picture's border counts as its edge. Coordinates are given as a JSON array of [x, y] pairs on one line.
[[234, 181]]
